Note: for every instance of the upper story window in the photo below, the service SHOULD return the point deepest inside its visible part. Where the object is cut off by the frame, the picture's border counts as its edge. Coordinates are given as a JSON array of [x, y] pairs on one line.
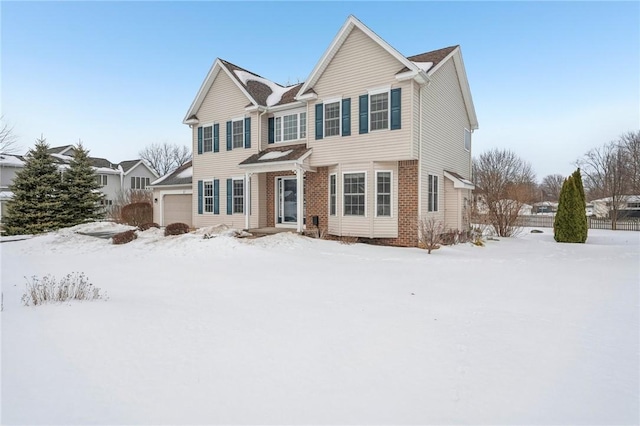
[[291, 127], [332, 119], [207, 138], [101, 180], [139, 182], [467, 140], [379, 111], [208, 196], [238, 133]]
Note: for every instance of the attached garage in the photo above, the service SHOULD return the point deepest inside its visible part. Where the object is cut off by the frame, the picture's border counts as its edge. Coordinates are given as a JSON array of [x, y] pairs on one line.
[[177, 208], [172, 197]]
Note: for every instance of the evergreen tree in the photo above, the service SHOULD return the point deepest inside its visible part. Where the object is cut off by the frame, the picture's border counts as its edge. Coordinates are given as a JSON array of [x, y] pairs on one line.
[[36, 205], [568, 225], [577, 178], [80, 194]]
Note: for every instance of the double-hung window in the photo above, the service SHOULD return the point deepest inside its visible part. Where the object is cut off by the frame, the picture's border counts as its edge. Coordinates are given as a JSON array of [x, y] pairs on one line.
[[333, 196], [238, 133], [238, 195], [354, 194], [332, 119], [383, 194], [208, 196], [432, 194], [207, 139], [379, 110], [290, 127]]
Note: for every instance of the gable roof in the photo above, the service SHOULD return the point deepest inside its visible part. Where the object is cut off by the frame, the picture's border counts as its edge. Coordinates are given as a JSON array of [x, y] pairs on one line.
[[351, 23], [277, 154], [434, 56], [183, 175], [128, 165], [59, 149]]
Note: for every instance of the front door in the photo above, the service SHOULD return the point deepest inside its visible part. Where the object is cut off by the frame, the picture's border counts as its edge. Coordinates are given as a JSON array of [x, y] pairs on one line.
[[287, 201]]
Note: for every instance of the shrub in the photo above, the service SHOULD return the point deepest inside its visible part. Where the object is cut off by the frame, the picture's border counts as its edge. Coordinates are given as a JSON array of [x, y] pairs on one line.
[[570, 220], [430, 233], [123, 198], [348, 239], [74, 286], [124, 237], [135, 214], [177, 228], [148, 225]]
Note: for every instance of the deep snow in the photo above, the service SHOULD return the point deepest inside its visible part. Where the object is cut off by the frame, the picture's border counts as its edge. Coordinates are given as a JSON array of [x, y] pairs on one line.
[[286, 329]]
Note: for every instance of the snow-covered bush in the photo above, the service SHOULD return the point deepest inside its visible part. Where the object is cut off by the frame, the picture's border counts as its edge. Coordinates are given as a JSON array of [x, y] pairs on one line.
[[148, 225], [74, 286], [177, 228], [124, 237]]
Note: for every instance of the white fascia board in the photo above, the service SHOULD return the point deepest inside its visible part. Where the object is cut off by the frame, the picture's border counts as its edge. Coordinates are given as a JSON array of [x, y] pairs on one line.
[[290, 105], [337, 42], [307, 97], [459, 184]]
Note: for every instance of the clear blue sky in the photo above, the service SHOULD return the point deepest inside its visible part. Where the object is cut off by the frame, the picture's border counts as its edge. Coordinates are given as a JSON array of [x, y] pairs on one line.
[[549, 80]]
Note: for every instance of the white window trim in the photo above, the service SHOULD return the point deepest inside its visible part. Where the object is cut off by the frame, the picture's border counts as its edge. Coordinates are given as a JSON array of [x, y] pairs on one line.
[[234, 120], [324, 116], [365, 192], [281, 116], [377, 92], [203, 127], [437, 194], [233, 195], [390, 194], [464, 140], [213, 197], [337, 195]]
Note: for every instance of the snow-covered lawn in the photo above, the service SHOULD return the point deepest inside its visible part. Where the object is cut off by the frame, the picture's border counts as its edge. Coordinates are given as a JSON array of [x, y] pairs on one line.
[[290, 330]]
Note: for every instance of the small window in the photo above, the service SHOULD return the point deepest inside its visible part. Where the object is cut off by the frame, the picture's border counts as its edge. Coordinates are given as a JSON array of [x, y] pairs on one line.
[[467, 140], [238, 196], [383, 194], [238, 134], [354, 194], [432, 195], [208, 196], [278, 129], [379, 110], [207, 138], [101, 180], [332, 194], [303, 125], [332, 119]]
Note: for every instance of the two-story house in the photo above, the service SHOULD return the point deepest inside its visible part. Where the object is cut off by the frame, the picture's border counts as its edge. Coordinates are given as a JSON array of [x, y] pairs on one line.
[[111, 177], [369, 144]]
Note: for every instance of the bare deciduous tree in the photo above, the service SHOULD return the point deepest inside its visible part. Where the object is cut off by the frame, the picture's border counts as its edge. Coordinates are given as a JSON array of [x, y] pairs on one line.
[[610, 172], [504, 183], [630, 144], [430, 232], [551, 186], [165, 158], [8, 139]]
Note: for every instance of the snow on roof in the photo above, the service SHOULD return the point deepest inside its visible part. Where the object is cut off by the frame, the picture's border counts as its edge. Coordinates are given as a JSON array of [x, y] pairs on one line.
[[6, 195], [276, 90], [10, 160], [61, 157], [424, 66], [275, 154], [188, 172]]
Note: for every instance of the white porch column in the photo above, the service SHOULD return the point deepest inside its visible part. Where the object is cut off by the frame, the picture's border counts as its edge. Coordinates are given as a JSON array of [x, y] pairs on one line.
[[300, 204], [247, 199]]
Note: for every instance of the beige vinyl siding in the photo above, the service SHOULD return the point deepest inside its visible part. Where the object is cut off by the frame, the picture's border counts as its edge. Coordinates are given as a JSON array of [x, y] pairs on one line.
[[368, 226], [444, 118], [415, 119], [359, 65], [452, 205], [224, 102]]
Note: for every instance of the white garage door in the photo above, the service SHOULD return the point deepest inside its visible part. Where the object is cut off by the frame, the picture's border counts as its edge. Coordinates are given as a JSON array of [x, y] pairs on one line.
[[177, 208]]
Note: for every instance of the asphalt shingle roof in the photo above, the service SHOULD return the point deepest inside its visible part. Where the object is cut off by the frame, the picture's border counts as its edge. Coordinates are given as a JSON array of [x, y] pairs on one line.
[[174, 178]]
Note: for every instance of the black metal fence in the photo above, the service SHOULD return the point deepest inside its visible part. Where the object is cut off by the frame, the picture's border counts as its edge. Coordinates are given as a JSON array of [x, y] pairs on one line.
[[594, 223]]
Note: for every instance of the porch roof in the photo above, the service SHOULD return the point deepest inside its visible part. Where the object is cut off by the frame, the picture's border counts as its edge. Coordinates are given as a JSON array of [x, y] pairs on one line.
[[459, 182], [278, 158]]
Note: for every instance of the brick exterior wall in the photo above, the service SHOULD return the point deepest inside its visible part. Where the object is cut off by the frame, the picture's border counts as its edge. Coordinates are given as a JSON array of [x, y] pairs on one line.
[[407, 206], [317, 199]]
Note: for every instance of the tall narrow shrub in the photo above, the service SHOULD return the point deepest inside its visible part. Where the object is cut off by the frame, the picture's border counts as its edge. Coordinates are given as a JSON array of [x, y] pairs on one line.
[[568, 226], [36, 206], [577, 178]]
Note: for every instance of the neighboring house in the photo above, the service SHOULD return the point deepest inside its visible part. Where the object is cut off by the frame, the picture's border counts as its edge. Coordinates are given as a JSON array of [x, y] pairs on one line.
[[545, 207], [369, 144], [112, 178], [172, 197], [628, 207]]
